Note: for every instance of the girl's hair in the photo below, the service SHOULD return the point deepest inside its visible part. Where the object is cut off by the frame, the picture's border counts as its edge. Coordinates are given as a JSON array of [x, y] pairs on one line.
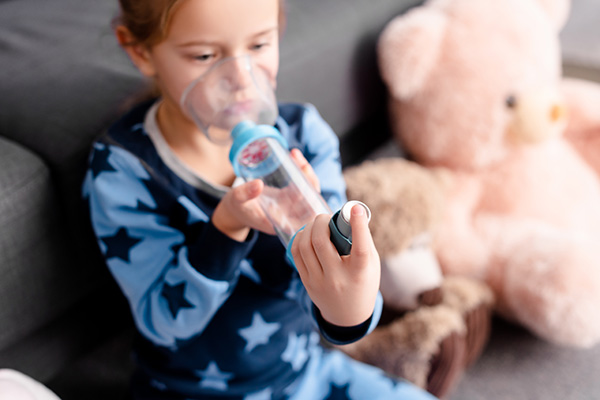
[[148, 23], [148, 20]]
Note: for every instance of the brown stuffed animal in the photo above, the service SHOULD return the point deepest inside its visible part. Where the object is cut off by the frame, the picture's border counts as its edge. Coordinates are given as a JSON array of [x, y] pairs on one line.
[[433, 327]]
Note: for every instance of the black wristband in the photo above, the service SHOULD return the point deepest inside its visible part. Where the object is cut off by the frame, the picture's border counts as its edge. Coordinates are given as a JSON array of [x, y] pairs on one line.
[[342, 334]]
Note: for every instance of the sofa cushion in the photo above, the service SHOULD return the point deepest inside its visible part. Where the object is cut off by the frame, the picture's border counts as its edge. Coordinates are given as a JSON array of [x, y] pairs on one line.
[[32, 289], [51, 306]]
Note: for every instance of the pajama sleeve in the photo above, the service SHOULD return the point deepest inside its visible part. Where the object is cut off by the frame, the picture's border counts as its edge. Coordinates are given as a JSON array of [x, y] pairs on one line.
[[174, 282]]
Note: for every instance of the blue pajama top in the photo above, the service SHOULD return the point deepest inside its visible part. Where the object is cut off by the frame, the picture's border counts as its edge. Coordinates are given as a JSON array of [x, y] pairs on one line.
[[217, 318]]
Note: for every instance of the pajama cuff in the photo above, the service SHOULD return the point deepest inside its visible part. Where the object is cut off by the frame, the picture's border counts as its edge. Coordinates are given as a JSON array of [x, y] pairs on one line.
[[340, 335]]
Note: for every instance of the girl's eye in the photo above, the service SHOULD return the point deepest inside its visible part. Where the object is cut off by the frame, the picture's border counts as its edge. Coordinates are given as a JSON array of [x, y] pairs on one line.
[[204, 57], [259, 46]]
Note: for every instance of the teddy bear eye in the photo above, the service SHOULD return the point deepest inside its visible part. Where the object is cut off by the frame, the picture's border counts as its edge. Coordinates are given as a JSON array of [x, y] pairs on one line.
[[511, 101]]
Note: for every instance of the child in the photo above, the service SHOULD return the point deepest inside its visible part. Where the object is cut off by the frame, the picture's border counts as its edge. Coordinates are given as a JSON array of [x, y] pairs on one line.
[[220, 312]]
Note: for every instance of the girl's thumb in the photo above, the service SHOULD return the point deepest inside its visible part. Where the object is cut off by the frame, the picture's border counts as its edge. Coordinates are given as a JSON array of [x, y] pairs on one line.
[[362, 242], [249, 190]]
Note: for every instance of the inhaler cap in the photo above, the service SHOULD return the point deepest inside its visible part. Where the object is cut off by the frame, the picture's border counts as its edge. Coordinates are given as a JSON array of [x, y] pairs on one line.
[[343, 219]]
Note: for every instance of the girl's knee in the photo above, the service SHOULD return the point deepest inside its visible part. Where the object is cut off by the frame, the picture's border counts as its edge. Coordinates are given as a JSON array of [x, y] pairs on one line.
[[17, 386]]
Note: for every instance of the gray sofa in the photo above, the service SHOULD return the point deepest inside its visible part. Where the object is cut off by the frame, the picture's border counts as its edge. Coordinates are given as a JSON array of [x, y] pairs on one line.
[[63, 79]]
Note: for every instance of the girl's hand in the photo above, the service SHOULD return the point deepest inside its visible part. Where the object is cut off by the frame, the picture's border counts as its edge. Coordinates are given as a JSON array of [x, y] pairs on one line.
[[344, 288], [239, 211]]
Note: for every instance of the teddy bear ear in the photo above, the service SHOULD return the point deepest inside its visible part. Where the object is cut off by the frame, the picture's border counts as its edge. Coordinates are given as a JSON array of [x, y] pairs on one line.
[[557, 10], [408, 49]]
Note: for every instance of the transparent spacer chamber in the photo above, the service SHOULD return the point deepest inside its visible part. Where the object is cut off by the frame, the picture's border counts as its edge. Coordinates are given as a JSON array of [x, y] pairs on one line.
[[288, 199]]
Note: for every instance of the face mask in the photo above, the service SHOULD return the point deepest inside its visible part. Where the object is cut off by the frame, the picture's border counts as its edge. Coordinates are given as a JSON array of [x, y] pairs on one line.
[[235, 89]]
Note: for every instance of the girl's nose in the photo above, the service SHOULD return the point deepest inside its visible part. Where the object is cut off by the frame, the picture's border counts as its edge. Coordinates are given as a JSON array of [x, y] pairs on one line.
[[240, 75]]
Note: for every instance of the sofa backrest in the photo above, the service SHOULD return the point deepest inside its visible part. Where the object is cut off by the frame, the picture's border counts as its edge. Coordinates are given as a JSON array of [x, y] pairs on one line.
[[328, 58]]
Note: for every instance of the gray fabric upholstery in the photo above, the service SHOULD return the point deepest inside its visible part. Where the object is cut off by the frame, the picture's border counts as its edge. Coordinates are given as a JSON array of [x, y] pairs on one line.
[[580, 40], [30, 244], [62, 79], [328, 57], [42, 280], [62, 76]]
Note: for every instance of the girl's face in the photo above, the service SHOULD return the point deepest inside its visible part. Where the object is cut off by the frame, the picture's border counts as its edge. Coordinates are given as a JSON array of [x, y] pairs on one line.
[[202, 32]]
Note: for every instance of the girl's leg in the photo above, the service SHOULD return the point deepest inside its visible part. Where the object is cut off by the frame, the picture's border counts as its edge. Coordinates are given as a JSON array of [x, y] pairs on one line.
[[334, 375]]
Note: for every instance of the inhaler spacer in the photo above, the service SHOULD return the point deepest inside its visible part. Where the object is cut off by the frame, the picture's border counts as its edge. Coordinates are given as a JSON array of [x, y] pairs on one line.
[[288, 199], [234, 103]]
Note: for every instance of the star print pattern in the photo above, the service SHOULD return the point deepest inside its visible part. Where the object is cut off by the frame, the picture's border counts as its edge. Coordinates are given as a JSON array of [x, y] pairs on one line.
[[202, 333], [175, 296], [159, 385], [100, 162], [249, 272], [138, 127], [143, 207], [119, 245], [266, 394], [296, 352], [339, 392], [195, 214], [258, 332], [214, 378]]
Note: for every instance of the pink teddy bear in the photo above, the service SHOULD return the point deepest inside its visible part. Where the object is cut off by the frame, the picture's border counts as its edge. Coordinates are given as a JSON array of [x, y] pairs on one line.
[[476, 89]]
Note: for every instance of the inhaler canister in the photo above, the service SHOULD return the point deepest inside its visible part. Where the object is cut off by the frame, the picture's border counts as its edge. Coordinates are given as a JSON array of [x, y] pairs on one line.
[[339, 225]]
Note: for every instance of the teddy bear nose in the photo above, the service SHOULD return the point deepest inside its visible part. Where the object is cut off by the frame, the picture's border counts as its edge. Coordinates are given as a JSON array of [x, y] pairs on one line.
[[557, 112]]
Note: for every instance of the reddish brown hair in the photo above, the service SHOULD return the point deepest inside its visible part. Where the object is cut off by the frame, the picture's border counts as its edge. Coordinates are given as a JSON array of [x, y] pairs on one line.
[[148, 20]]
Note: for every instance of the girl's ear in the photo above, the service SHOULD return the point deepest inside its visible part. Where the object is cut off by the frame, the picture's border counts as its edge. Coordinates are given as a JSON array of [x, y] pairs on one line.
[[138, 53], [409, 48]]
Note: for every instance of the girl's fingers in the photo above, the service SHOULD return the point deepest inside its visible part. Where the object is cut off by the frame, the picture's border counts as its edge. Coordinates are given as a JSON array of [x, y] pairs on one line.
[[248, 191], [244, 205], [324, 249], [362, 241], [298, 262], [306, 168], [307, 251]]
